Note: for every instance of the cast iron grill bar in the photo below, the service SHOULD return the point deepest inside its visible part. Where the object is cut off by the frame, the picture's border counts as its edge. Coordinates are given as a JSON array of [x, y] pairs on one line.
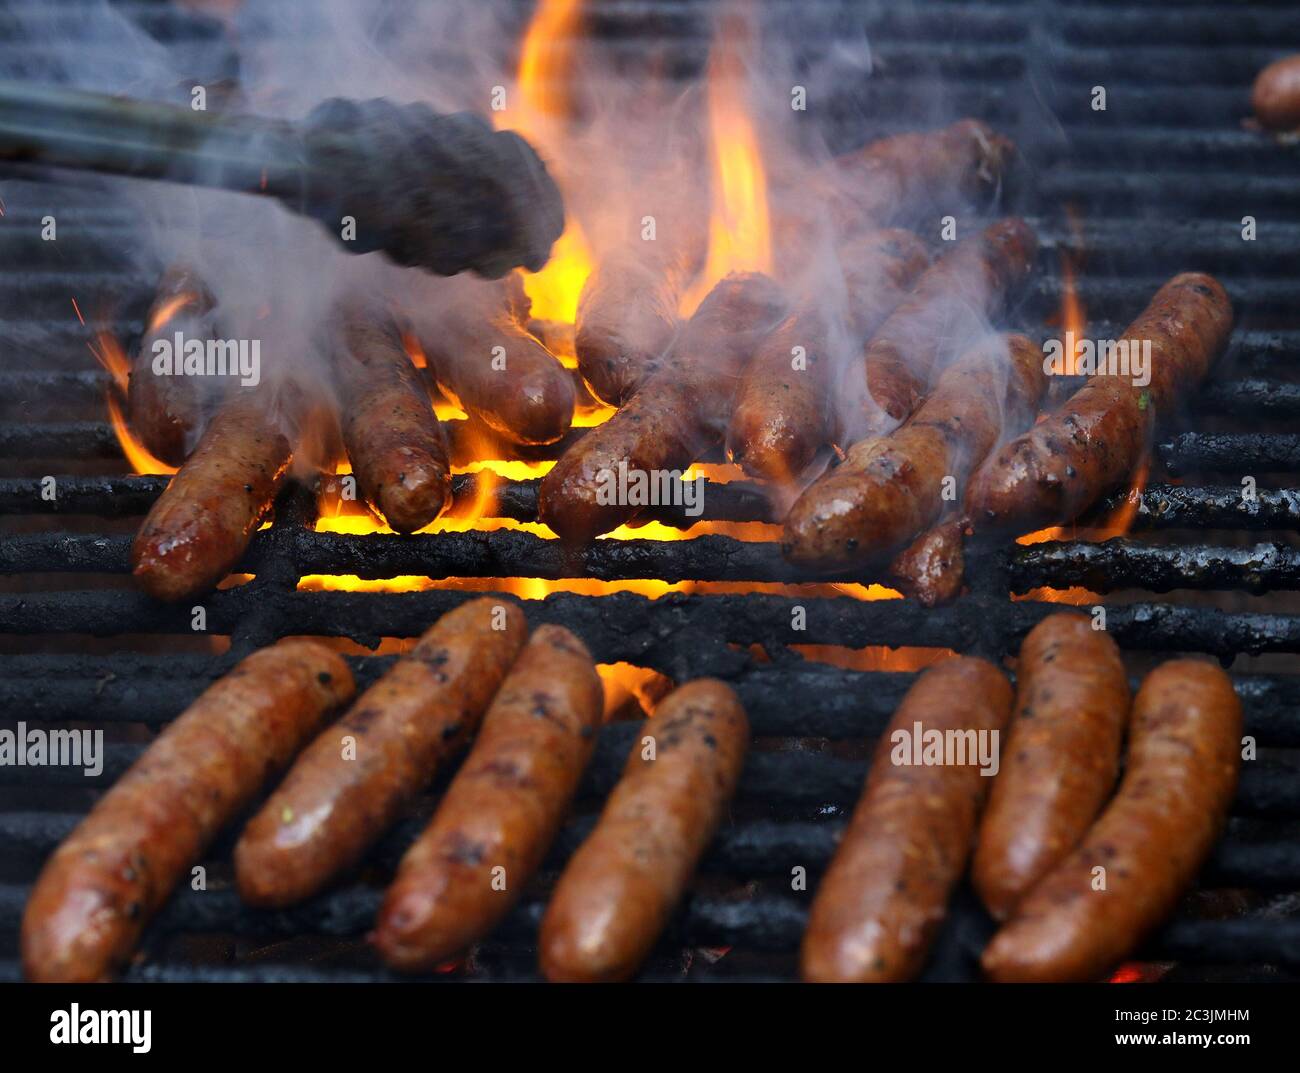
[[682, 635], [764, 922], [1102, 567], [1160, 506], [1178, 506], [835, 703], [1231, 452], [1119, 563]]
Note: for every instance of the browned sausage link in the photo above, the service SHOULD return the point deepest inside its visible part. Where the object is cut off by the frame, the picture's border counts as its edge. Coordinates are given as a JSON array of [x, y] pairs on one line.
[[1276, 96], [352, 781], [890, 489], [394, 441], [166, 411], [897, 178], [884, 896], [619, 889], [481, 355], [627, 316], [784, 415], [202, 523], [102, 885], [502, 810], [1064, 464], [1061, 760], [1183, 759], [931, 569], [950, 305], [678, 412]]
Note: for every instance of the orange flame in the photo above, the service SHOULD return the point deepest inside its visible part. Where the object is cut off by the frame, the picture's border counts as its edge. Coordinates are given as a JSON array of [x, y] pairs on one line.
[[140, 460], [108, 352], [163, 314], [739, 229], [545, 62]]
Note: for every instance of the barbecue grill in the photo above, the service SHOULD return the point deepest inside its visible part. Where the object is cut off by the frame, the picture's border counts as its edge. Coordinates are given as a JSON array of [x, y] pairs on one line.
[[1158, 183]]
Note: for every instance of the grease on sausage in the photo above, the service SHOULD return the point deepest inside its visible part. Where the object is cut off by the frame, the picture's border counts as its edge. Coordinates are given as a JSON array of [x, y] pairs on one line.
[[335, 801], [502, 810], [884, 896], [620, 887], [1183, 758], [1061, 759], [100, 888]]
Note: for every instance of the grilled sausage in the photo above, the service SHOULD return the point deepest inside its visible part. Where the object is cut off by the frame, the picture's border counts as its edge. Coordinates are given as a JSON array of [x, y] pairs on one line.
[[678, 412], [100, 888], [1183, 759], [482, 356], [627, 317], [932, 567], [1062, 465], [1276, 96], [952, 302], [620, 887], [502, 810], [1062, 757], [784, 416], [167, 412], [883, 898], [890, 489], [394, 441], [351, 782], [201, 525], [898, 178]]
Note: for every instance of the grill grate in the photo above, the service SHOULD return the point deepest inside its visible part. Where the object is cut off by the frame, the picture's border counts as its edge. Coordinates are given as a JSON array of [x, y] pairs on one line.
[[1151, 181]]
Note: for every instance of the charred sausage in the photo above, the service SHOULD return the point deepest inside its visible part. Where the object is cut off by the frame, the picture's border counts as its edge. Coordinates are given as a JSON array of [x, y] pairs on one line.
[[891, 488], [394, 441], [1093, 908], [1062, 465], [350, 783], [201, 525], [619, 888], [678, 412], [167, 412], [103, 884], [627, 317], [502, 810], [785, 415], [898, 178], [932, 567], [1276, 96], [883, 898], [1061, 760], [951, 303], [481, 355]]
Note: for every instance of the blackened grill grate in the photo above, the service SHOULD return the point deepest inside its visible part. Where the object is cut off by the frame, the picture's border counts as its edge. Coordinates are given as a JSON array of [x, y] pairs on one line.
[[1160, 181]]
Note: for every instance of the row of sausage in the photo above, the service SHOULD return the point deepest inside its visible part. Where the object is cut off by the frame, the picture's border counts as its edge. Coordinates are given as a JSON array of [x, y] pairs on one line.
[[1078, 876]]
